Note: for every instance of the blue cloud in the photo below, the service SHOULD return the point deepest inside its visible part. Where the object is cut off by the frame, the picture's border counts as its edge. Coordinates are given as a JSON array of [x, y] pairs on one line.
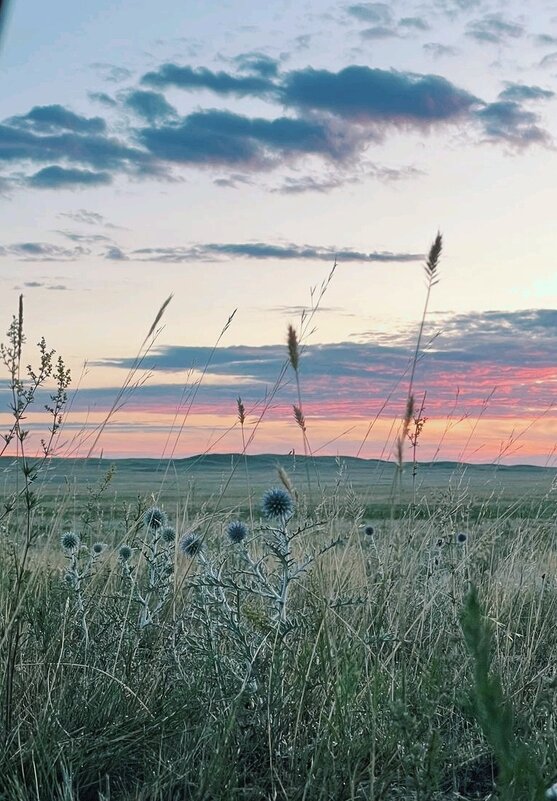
[[379, 13], [507, 121], [378, 32], [363, 93], [46, 119], [414, 23], [520, 92], [258, 63], [494, 29], [151, 106], [260, 251], [60, 177], [221, 137], [221, 83]]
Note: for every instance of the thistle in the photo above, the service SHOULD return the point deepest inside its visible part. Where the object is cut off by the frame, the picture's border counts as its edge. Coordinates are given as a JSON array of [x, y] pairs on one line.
[[277, 504], [236, 531], [154, 518]]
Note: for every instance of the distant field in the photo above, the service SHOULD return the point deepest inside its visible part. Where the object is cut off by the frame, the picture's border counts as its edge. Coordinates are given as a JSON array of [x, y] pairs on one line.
[[227, 481]]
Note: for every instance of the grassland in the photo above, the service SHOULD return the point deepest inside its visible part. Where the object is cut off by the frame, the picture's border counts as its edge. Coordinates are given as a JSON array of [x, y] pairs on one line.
[[367, 689]]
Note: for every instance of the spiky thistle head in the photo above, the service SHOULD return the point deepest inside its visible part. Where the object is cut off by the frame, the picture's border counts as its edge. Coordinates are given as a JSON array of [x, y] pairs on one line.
[[168, 534], [97, 548], [432, 261], [461, 537], [277, 503], [191, 544], [293, 350], [236, 531], [70, 541], [369, 531], [125, 553], [154, 518]]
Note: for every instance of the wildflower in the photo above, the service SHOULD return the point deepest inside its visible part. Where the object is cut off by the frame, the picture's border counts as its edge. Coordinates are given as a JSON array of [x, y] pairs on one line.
[[70, 579], [70, 541], [154, 518], [168, 534], [369, 531], [236, 531], [461, 537], [277, 503], [125, 553], [97, 548], [191, 544]]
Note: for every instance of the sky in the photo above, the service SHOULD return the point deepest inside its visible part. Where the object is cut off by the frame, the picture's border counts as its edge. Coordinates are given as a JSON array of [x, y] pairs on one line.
[[228, 153]]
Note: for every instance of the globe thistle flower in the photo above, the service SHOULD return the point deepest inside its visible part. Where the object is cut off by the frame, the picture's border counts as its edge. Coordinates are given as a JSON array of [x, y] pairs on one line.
[[154, 518], [369, 531], [236, 531], [168, 534], [461, 537], [70, 579], [70, 541], [191, 544], [97, 548], [277, 503], [125, 553]]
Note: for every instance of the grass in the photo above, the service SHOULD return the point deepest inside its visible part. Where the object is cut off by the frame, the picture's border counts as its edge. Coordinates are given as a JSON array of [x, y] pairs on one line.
[[298, 659]]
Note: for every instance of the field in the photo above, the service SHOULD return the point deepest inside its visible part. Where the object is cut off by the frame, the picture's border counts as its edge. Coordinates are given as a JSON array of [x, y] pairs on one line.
[[296, 656]]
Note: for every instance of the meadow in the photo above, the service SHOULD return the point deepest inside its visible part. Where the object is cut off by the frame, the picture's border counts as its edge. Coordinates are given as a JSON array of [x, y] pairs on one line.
[[233, 627]]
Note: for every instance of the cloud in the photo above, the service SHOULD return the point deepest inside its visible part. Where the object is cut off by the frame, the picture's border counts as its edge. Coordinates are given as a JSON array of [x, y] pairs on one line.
[[111, 73], [332, 117], [257, 250], [150, 106], [371, 12], [475, 353], [224, 138], [48, 119], [545, 40], [548, 60], [222, 83], [102, 152], [364, 94], [42, 251], [103, 99], [414, 23], [507, 121], [378, 32], [494, 29], [258, 63], [61, 178], [86, 239], [41, 284], [439, 50], [85, 216], [520, 92]]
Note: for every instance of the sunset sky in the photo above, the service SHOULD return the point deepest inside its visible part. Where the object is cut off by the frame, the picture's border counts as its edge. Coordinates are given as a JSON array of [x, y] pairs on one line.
[[227, 152]]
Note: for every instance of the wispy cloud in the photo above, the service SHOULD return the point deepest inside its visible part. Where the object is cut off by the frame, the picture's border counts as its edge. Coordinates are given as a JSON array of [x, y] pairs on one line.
[[509, 352], [494, 29], [257, 250], [42, 251]]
